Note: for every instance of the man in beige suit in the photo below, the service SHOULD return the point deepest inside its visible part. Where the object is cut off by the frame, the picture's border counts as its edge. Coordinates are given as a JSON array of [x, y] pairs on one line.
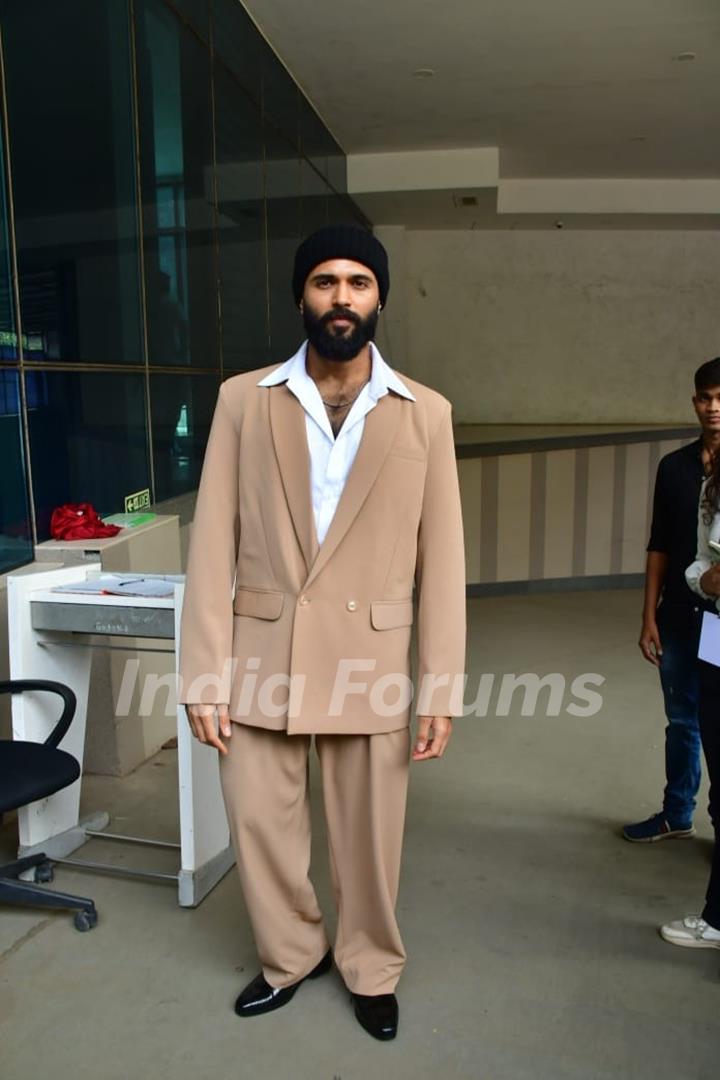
[[329, 491]]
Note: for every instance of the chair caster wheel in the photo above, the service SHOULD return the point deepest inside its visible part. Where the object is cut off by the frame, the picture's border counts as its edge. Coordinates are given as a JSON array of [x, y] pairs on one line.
[[44, 873], [85, 920]]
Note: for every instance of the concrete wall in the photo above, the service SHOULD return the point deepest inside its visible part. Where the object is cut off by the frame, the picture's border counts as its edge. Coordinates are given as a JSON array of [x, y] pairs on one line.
[[550, 326]]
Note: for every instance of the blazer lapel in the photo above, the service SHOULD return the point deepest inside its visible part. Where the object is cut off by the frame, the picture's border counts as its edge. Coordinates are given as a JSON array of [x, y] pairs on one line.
[[378, 434], [287, 423]]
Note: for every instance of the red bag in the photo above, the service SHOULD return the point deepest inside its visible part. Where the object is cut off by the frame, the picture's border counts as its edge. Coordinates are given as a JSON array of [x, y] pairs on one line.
[[79, 521]]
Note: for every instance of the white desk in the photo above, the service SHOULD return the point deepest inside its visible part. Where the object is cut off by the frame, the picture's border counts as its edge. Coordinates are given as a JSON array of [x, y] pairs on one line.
[[42, 624]]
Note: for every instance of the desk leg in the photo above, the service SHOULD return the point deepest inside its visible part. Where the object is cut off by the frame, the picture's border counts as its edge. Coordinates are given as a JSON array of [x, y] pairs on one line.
[[206, 852]]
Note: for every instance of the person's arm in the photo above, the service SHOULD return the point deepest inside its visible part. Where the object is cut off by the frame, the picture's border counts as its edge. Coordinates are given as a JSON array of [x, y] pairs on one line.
[[657, 563], [709, 583], [207, 616], [703, 575], [440, 584], [655, 574]]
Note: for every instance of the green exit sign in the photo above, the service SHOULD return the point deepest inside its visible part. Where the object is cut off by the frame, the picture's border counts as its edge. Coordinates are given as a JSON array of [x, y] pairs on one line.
[[139, 501]]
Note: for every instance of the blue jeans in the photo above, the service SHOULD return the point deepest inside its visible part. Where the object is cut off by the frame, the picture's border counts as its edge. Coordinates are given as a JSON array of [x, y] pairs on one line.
[[679, 629]]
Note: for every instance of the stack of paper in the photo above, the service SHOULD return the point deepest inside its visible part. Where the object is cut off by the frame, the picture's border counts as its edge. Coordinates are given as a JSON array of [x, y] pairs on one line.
[[158, 585]]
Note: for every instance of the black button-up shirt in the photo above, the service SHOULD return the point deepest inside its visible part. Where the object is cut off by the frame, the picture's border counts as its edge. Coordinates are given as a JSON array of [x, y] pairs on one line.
[[675, 515]]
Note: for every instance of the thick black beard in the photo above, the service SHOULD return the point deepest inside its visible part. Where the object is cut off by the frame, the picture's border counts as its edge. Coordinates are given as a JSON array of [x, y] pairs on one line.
[[338, 346]]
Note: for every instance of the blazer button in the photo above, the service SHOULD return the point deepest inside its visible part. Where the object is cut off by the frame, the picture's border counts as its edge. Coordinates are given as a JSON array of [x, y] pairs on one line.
[[352, 605], [304, 600]]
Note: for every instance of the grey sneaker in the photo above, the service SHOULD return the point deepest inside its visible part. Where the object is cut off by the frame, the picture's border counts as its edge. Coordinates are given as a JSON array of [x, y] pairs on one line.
[[692, 932]]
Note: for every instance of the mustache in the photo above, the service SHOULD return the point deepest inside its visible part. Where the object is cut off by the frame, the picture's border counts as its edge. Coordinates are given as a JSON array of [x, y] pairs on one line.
[[340, 313]]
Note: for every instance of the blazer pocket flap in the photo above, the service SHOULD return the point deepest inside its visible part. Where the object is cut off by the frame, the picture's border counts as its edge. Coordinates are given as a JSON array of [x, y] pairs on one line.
[[258, 603], [391, 614]]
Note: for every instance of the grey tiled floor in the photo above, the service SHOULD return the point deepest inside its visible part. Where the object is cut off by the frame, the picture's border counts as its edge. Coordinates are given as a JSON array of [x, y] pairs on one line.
[[530, 926]]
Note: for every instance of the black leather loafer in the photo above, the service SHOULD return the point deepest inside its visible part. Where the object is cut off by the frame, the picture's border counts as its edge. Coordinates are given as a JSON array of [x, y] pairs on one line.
[[260, 997], [378, 1014]]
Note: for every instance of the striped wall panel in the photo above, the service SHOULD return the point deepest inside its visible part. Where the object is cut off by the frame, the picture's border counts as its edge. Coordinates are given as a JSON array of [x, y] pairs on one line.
[[559, 514]]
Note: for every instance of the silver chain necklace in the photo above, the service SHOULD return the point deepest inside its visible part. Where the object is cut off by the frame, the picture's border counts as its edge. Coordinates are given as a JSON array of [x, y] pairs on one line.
[[343, 404]]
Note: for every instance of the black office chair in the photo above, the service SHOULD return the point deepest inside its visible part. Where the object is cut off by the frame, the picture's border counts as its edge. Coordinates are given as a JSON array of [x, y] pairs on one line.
[[30, 771]]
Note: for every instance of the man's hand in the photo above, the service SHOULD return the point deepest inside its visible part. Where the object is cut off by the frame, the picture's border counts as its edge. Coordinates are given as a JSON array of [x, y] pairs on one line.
[[433, 735], [710, 581], [204, 726], [650, 644]]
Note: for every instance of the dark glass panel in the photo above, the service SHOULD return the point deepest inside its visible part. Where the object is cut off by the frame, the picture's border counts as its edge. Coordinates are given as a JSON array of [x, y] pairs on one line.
[[177, 189], [283, 207], [314, 206], [182, 408], [88, 439], [197, 14], [337, 169], [15, 529], [15, 532], [241, 226], [238, 45], [70, 119], [281, 97], [8, 338], [320, 148], [314, 137], [342, 210]]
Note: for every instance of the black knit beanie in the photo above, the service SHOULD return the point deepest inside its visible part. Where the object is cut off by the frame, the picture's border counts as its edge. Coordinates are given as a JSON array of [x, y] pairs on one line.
[[341, 242]]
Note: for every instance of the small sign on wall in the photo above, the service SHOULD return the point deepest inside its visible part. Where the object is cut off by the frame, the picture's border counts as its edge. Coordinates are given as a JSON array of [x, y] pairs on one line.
[[139, 501]]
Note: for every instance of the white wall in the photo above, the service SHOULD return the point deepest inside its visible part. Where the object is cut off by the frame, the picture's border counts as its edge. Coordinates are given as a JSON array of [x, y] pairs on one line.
[[557, 326]]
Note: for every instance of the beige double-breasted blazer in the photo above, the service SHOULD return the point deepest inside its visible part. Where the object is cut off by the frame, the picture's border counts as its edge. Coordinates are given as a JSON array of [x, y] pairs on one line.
[[313, 638]]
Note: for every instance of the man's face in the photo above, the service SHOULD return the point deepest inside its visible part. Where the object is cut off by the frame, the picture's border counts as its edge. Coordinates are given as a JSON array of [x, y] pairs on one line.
[[707, 409], [340, 308]]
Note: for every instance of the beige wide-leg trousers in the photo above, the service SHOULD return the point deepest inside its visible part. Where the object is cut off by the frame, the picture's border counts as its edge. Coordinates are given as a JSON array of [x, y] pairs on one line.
[[364, 780]]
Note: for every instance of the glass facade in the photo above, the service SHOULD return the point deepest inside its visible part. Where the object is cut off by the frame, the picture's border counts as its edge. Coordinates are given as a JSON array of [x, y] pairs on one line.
[[87, 437], [70, 132], [15, 525], [178, 209], [15, 532], [161, 166]]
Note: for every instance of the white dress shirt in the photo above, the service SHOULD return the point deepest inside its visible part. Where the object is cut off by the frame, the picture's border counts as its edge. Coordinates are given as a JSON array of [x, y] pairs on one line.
[[331, 457]]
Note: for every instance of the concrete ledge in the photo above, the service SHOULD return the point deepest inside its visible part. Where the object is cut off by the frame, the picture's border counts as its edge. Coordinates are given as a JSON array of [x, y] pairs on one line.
[[568, 584], [576, 441]]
